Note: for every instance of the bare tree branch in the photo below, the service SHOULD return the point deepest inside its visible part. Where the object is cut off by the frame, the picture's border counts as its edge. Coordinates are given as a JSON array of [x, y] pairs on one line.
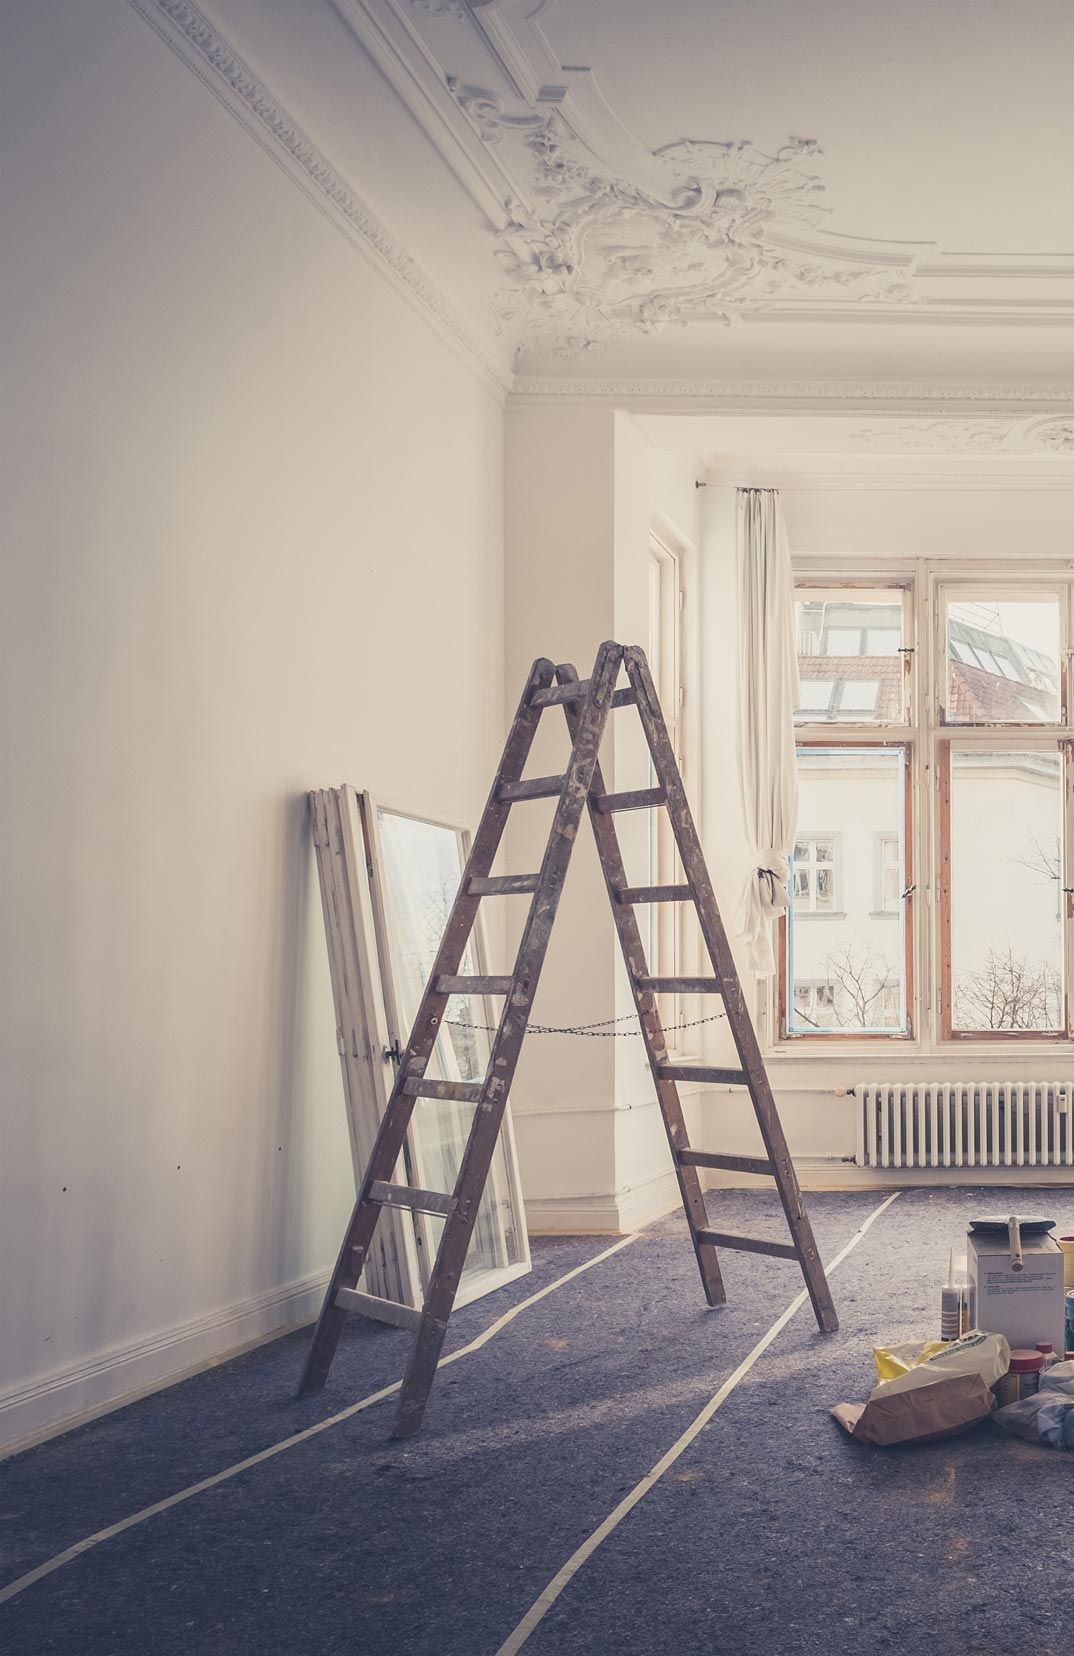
[[1009, 991]]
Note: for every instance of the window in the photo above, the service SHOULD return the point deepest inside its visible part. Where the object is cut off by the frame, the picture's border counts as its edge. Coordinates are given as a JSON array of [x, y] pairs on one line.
[[814, 875], [850, 655], [936, 733], [814, 1004], [859, 696], [889, 873], [1002, 822], [859, 952], [1002, 657]]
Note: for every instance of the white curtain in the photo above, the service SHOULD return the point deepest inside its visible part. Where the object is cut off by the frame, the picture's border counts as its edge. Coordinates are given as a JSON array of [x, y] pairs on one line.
[[768, 693]]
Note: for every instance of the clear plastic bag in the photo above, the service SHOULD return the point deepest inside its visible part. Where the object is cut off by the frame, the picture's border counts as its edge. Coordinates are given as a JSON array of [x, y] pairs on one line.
[[1048, 1416]]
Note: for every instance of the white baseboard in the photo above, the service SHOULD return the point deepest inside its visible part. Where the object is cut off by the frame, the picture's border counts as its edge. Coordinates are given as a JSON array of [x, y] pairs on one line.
[[614, 1211], [833, 1173], [92, 1386]]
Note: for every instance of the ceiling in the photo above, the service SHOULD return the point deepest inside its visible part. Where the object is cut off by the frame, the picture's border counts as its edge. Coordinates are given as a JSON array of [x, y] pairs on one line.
[[667, 198]]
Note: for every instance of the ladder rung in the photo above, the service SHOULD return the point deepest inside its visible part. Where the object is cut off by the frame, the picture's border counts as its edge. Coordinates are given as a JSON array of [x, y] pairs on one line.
[[383, 1310], [730, 1164], [537, 787], [575, 691], [502, 885], [638, 799], [409, 1196], [748, 1244], [701, 1072], [654, 894], [557, 693], [468, 1092], [680, 985], [474, 985]]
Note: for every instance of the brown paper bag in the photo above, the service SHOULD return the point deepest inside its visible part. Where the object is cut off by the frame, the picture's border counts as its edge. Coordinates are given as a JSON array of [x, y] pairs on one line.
[[942, 1408]]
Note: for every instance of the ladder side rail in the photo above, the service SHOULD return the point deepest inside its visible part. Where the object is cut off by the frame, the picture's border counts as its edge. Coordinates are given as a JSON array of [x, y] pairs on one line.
[[396, 1118], [633, 949], [738, 1016], [506, 1043]]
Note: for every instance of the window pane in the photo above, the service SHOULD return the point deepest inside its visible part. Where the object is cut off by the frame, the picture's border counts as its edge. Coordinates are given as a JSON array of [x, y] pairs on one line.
[[845, 946], [859, 697], [1006, 891], [422, 866], [816, 694], [848, 656], [1003, 661]]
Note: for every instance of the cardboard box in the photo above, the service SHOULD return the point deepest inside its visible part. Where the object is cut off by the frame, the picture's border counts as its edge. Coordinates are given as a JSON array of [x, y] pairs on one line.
[[1024, 1306]]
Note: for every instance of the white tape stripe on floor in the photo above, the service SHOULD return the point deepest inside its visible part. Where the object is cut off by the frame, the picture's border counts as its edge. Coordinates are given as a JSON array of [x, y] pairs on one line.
[[140, 1517], [540, 1609]]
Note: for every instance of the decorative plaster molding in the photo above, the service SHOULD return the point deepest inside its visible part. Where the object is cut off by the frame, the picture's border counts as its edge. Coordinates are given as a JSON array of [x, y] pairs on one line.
[[1057, 436], [1053, 436], [938, 436], [837, 397], [486, 111], [441, 8], [598, 257], [201, 46]]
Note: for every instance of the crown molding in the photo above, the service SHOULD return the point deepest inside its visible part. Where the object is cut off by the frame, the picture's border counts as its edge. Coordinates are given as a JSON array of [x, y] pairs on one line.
[[401, 55], [836, 397], [198, 43], [900, 475]]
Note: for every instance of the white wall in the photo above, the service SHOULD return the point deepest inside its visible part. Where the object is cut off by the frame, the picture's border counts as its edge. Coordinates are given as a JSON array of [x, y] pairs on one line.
[[253, 544], [583, 489], [841, 522]]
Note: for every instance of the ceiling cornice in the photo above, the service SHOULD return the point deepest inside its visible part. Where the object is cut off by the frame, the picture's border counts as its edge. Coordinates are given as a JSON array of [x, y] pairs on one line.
[[210, 56], [825, 478], [837, 397]]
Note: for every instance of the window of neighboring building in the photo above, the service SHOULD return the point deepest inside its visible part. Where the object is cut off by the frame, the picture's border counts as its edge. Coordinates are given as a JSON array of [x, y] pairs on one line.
[[813, 874], [814, 1004], [889, 873]]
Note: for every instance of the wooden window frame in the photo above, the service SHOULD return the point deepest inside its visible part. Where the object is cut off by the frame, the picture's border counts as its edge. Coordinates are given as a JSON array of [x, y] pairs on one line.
[[949, 1032], [925, 584]]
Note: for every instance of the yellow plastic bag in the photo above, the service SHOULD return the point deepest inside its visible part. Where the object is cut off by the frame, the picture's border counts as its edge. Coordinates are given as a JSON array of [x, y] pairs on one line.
[[891, 1361]]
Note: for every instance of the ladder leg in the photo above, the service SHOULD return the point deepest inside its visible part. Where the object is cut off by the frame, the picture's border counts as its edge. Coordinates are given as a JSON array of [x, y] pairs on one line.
[[507, 1043], [738, 1016], [396, 1119], [667, 1092]]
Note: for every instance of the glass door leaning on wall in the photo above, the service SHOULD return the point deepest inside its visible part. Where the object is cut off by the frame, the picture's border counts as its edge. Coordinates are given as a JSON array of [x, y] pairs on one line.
[[416, 866]]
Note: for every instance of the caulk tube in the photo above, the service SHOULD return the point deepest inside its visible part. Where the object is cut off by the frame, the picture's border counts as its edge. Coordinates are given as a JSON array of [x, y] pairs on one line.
[[1014, 1231], [951, 1300]]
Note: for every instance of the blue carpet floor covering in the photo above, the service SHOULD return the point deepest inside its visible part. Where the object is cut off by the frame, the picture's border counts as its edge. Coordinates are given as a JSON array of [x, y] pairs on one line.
[[773, 1530]]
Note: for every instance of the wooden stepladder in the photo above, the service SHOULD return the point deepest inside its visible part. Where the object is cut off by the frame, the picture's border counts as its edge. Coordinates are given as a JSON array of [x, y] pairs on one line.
[[587, 704]]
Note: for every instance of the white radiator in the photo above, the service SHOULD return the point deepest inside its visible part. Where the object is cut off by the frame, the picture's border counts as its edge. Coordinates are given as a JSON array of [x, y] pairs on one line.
[[965, 1124]]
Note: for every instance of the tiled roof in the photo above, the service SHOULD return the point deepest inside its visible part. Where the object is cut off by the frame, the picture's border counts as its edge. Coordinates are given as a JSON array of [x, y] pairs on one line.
[[976, 696]]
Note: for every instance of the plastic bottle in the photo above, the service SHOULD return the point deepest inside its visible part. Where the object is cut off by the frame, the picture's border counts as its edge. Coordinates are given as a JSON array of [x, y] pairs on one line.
[[1048, 1352]]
